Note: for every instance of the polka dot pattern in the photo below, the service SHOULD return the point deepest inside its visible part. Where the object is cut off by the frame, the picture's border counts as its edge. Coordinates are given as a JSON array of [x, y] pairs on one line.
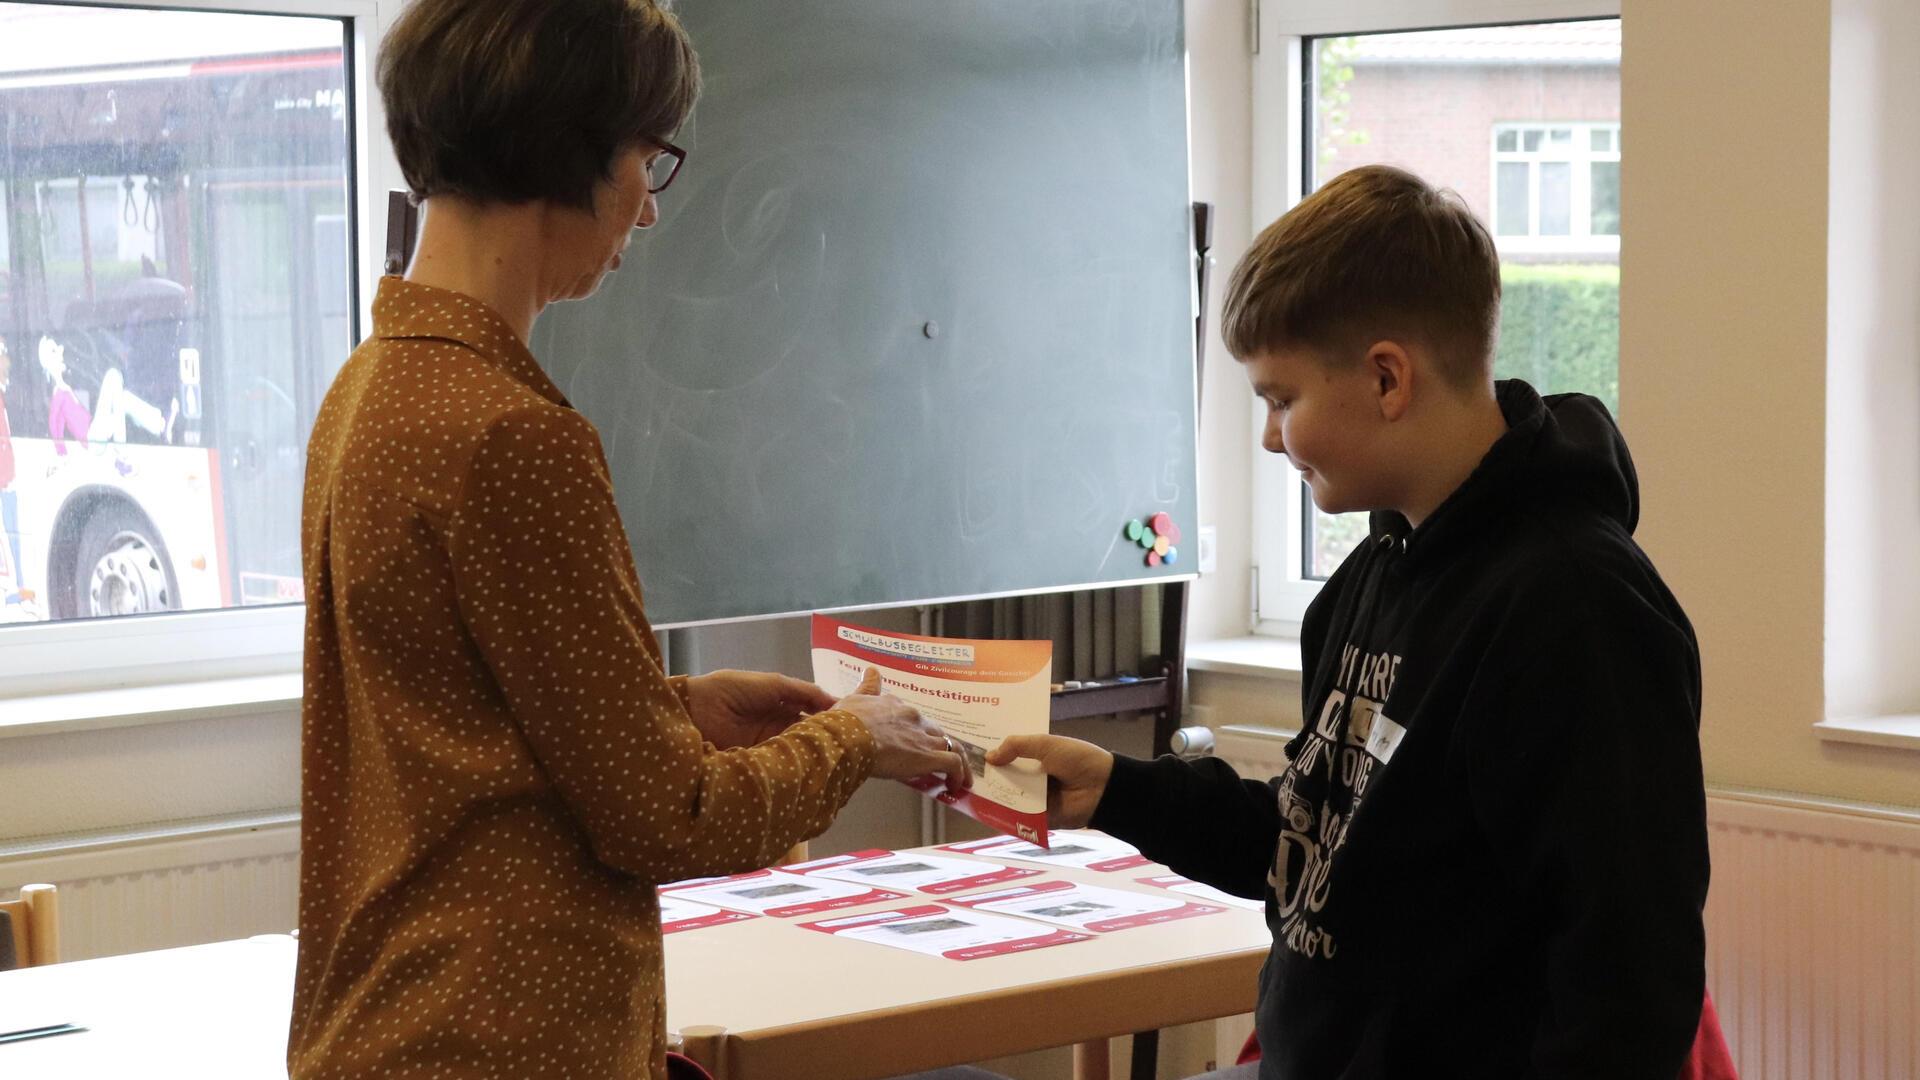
[[496, 770]]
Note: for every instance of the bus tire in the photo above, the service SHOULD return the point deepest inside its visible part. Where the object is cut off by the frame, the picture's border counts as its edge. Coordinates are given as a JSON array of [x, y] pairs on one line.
[[121, 565]]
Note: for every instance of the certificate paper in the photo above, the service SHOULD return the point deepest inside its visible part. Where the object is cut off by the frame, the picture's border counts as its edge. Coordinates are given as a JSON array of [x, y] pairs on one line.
[[932, 874], [677, 914], [1205, 892], [1088, 849], [942, 931], [1087, 907], [979, 692], [779, 894]]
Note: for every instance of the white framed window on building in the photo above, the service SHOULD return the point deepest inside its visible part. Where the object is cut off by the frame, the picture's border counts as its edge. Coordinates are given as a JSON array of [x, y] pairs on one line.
[[1513, 105], [1556, 187], [187, 201]]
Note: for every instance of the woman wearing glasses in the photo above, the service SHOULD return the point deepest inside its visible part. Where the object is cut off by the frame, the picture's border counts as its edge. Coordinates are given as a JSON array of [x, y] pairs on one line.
[[496, 771]]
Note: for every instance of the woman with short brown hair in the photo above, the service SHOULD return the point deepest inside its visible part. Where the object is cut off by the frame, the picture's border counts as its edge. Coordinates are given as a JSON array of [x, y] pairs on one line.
[[496, 770]]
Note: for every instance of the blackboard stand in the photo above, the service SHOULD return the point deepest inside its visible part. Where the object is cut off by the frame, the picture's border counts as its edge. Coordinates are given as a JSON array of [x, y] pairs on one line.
[[403, 230], [1160, 694], [1164, 695]]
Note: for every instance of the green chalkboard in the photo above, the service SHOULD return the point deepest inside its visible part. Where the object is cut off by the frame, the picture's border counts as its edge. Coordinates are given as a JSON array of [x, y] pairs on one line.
[[917, 321]]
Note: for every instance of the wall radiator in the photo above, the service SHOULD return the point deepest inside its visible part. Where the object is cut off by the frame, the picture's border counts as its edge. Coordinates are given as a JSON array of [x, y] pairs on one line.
[[1813, 928], [157, 887]]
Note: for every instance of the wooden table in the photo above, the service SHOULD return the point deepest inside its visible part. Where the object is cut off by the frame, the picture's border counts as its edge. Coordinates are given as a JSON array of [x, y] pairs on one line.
[[755, 1000], [764, 999]]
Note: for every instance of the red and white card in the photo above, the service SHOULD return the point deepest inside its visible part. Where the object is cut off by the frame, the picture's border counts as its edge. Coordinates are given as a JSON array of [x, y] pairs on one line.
[[978, 692], [932, 874], [1083, 848], [779, 894], [1086, 907], [1205, 892], [677, 914], [942, 931]]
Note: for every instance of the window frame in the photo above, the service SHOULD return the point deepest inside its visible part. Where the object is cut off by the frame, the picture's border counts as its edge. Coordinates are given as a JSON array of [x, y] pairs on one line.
[[1281, 591], [1581, 159], [129, 653]]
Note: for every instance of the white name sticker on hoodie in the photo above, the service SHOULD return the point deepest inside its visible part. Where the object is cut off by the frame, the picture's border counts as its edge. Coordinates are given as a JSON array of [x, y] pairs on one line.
[[1385, 738]]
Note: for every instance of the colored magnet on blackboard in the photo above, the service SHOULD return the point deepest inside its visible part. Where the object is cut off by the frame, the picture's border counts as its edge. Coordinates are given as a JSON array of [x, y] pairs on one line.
[[1161, 523], [1153, 558], [1172, 556], [1173, 533], [1134, 529], [1161, 544], [1146, 538]]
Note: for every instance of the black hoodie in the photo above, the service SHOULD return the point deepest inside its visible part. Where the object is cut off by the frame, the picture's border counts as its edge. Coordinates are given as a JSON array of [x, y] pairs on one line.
[[1488, 855]]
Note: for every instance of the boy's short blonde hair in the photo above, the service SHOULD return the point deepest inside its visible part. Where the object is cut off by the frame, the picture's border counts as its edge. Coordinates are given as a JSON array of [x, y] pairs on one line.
[[1375, 254]]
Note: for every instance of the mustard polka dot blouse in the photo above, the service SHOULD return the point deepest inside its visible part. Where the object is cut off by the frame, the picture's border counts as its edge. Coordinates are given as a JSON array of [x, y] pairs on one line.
[[496, 771]]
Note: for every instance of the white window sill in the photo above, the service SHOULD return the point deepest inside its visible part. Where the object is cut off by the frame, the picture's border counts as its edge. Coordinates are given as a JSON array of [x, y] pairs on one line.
[[1900, 732], [134, 706], [1256, 655]]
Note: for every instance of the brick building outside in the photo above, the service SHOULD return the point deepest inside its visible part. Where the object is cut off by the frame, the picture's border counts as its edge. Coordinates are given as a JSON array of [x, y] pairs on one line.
[[1544, 100]]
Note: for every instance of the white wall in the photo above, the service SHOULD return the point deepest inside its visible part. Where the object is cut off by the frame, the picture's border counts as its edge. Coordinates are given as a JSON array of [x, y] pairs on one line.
[[1873, 373], [1723, 337]]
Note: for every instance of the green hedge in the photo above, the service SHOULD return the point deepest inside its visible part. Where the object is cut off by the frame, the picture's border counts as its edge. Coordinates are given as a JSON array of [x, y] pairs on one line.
[[1560, 329]]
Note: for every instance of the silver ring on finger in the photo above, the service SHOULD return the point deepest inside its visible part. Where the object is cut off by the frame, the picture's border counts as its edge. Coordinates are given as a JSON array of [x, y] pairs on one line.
[[951, 749]]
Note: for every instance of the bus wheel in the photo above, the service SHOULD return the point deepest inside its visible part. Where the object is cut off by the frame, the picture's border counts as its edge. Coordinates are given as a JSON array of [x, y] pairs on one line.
[[122, 569]]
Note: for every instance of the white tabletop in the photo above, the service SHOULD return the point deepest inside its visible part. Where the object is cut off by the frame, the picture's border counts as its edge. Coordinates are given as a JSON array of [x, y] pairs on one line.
[[209, 1012]]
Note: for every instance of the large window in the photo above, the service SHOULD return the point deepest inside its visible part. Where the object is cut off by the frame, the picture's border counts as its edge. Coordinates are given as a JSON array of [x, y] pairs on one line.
[[176, 207], [1523, 121]]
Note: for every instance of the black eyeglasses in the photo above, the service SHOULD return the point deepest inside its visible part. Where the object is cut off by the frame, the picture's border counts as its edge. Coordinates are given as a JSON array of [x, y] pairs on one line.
[[664, 167]]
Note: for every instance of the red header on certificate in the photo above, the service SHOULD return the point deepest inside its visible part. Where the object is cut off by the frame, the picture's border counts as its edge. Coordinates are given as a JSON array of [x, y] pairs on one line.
[[1087, 849], [933, 874], [778, 894], [943, 931], [979, 692], [677, 915], [1087, 907]]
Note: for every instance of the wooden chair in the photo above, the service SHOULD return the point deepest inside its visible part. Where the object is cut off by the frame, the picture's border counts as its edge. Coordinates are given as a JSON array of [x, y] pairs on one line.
[[35, 922]]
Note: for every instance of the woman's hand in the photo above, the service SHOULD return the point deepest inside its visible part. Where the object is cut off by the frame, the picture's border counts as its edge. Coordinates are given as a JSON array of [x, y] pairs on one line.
[[905, 744], [741, 708], [1077, 774]]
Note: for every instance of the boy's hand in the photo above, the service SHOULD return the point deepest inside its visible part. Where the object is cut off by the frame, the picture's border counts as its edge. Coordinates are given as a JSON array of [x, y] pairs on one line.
[[1076, 771]]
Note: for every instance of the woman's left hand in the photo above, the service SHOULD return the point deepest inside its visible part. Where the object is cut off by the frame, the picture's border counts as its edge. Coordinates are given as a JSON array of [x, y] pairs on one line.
[[741, 708]]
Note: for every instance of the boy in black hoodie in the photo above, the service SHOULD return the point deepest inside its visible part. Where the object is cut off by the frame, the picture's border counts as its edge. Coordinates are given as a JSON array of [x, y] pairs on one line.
[[1488, 854]]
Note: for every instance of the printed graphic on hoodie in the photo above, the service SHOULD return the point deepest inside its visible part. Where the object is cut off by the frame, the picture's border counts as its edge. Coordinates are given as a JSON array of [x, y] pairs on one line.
[[1349, 738]]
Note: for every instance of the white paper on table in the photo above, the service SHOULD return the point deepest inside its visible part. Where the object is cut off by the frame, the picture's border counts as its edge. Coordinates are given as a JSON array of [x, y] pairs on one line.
[[1205, 892], [1087, 907], [779, 894], [978, 692], [678, 913], [936, 875], [1083, 848], [943, 931]]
